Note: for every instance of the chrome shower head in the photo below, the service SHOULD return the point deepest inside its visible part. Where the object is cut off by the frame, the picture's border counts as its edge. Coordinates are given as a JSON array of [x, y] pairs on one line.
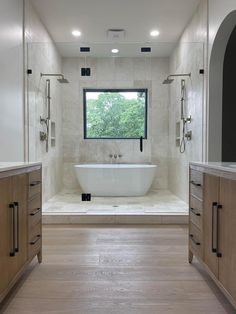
[[63, 80], [169, 80]]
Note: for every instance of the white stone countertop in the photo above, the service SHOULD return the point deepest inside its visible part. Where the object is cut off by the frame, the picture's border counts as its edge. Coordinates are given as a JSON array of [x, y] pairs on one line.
[[223, 166], [6, 166]]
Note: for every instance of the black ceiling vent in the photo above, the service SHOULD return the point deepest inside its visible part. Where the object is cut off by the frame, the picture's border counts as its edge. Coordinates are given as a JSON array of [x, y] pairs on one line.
[[85, 71], [84, 49], [146, 49]]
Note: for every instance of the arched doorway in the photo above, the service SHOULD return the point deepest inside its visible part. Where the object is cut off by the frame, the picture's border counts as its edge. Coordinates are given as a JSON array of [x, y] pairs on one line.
[[229, 101], [216, 91]]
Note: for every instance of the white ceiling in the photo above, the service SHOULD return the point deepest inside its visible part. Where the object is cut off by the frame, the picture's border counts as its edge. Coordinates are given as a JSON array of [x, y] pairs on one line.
[[94, 17]]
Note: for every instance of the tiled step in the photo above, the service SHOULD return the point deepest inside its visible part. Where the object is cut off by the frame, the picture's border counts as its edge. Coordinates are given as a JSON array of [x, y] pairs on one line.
[[143, 219]]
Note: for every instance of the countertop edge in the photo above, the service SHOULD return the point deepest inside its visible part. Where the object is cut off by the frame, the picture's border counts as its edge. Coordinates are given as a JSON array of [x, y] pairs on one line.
[[221, 167], [14, 166]]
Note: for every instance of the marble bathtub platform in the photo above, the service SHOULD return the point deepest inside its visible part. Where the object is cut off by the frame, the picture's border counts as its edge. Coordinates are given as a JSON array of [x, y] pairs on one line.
[[157, 207]]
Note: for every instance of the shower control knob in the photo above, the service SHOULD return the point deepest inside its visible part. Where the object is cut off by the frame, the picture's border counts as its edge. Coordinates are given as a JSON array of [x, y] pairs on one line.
[[115, 156], [110, 155], [43, 136], [120, 155], [188, 135]]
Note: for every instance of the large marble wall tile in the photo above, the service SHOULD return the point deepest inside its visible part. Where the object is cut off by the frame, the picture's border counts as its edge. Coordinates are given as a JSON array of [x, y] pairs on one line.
[[189, 56], [42, 56], [115, 73]]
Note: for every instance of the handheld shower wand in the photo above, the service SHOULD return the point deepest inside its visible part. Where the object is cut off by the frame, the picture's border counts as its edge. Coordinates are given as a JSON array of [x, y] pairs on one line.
[[186, 136]]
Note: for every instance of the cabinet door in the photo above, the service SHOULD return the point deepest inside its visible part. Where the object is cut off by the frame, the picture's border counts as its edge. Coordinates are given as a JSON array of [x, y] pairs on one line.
[[227, 235], [5, 230], [211, 196], [19, 198]]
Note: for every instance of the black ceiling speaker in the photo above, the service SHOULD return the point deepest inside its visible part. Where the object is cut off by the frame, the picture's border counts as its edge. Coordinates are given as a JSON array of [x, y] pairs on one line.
[[84, 49], [146, 49], [85, 71]]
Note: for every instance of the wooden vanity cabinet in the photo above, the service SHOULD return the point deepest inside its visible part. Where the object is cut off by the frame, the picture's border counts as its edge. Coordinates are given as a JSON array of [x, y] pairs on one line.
[[5, 230], [218, 236], [227, 236], [15, 225], [211, 199]]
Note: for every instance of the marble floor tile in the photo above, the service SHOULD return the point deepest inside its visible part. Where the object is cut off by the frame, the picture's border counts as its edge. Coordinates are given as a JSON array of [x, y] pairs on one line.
[[155, 202]]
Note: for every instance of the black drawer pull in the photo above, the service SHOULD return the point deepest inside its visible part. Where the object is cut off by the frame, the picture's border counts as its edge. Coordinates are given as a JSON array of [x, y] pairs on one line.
[[35, 240], [194, 212], [35, 212], [13, 235], [195, 183], [219, 207], [194, 241], [16, 207], [214, 227], [35, 183]]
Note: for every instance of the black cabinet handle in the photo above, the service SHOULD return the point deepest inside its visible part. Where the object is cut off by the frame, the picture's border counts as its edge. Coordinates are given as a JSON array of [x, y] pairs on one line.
[[35, 183], [194, 212], [213, 226], [35, 212], [195, 183], [218, 254], [16, 209], [12, 207], [35, 240], [194, 241]]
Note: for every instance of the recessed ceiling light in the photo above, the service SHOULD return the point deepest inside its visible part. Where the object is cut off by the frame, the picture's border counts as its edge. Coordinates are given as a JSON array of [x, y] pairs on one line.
[[76, 33], [154, 33], [114, 50]]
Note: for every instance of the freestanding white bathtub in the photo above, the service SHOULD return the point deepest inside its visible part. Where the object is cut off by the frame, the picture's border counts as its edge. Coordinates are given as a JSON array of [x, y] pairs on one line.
[[115, 179]]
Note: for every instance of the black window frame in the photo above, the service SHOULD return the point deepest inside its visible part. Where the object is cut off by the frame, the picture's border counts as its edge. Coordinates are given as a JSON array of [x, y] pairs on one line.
[[113, 90]]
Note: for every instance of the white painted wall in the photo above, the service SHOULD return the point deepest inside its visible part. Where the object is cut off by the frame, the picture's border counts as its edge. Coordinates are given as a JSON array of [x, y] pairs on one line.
[[11, 81], [222, 20], [218, 10]]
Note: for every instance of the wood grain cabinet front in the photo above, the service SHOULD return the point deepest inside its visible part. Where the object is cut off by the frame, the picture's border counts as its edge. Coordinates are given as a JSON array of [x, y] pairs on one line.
[[218, 235], [18, 224], [6, 231]]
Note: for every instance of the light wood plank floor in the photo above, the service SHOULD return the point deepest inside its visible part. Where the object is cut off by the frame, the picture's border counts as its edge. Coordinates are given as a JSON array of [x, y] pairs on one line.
[[116, 270]]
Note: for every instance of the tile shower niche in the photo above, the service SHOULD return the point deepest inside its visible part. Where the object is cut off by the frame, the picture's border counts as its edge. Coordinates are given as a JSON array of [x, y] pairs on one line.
[[177, 133], [53, 134]]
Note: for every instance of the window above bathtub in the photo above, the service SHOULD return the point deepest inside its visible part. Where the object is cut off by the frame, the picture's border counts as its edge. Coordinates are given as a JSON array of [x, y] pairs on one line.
[[115, 113]]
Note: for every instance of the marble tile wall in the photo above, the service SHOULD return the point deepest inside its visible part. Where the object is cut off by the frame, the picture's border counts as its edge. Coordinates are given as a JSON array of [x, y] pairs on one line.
[[42, 56], [115, 73], [190, 55]]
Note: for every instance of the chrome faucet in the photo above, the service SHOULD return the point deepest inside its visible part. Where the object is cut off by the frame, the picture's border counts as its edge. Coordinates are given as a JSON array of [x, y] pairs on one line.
[[115, 156]]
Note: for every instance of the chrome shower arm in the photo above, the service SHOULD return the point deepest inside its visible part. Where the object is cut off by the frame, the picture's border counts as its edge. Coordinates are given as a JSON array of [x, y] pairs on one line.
[[52, 74], [61, 78], [177, 75]]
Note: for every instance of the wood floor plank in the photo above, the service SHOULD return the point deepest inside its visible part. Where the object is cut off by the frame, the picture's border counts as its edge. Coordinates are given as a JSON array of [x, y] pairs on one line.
[[68, 306], [108, 273], [116, 270]]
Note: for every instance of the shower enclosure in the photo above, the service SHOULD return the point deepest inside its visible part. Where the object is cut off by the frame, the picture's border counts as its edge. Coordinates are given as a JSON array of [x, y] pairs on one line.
[[130, 69]]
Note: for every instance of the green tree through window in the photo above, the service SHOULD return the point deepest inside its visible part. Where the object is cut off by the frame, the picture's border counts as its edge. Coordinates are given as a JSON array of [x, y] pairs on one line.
[[115, 113]]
